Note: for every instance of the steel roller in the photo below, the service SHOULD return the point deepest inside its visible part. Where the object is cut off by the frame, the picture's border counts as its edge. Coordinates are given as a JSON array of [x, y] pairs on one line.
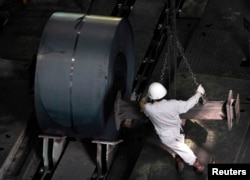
[[83, 62]]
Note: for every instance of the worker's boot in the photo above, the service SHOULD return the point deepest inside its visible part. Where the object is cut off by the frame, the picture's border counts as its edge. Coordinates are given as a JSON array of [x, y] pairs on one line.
[[198, 167], [180, 164]]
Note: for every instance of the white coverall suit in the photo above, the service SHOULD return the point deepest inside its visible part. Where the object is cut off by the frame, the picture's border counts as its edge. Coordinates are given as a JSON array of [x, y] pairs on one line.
[[165, 117]]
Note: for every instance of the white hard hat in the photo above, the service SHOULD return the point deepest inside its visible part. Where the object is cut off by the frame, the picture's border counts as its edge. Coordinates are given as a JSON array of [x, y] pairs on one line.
[[156, 91]]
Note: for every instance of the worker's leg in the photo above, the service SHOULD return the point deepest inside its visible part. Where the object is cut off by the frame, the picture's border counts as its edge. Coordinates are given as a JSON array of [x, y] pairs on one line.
[[176, 142], [179, 147]]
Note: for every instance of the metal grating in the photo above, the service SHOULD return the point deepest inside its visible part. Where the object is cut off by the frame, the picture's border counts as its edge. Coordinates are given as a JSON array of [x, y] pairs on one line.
[[213, 52]]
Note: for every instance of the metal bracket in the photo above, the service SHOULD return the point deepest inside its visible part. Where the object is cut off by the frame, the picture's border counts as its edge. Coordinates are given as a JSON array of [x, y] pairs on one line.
[[53, 147], [233, 109], [216, 110], [104, 157]]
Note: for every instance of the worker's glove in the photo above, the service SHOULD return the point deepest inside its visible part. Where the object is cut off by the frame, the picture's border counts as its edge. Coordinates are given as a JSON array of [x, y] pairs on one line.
[[200, 90]]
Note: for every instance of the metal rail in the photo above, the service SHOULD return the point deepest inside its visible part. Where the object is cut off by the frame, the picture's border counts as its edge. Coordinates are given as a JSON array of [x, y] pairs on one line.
[[16, 165]]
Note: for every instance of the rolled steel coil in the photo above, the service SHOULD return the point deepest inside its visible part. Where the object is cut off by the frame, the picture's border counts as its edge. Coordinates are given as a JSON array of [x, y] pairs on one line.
[[83, 61]]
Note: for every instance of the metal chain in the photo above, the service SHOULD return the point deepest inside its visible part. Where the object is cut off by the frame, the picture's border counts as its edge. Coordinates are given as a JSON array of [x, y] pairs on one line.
[[171, 50], [174, 39], [165, 63], [173, 43], [181, 51], [203, 98], [170, 54]]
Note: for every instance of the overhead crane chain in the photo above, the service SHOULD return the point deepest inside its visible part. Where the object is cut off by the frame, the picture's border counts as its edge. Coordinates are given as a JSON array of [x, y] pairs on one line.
[[181, 52], [149, 62], [171, 45], [167, 54], [152, 54], [172, 41], [203, 98], [170, 55], [185, 60], [165, 64]]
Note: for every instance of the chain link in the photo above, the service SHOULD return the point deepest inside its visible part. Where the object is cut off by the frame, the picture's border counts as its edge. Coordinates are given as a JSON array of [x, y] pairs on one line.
[[173, 43], [181, 51], [167, 54], [170, 55], [174, 39], [203, 99], [165, 64]]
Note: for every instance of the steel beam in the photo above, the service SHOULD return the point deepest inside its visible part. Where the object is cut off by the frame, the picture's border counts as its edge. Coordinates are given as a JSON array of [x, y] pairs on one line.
[[212, 110]]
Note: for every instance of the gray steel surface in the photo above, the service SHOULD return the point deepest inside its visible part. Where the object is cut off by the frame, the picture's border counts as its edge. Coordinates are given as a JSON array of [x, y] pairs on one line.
[[81, 64]]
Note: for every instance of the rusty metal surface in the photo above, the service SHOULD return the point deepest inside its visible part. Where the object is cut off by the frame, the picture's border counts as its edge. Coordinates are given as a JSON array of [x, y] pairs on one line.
[[211, 110]]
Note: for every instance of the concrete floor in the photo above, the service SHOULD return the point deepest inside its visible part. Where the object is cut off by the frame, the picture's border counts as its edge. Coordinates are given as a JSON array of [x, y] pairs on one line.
[[215, 50]]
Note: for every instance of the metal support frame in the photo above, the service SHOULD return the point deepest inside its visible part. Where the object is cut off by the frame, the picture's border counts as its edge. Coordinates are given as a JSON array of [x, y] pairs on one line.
[[104, 157], [53, 147], [217, 110]]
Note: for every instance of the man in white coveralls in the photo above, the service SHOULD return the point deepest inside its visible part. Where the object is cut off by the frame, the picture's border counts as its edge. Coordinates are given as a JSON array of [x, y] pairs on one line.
[[164, 114]]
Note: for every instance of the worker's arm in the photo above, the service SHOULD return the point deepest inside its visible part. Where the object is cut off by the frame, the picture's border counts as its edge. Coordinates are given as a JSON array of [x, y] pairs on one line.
[[184, 106]]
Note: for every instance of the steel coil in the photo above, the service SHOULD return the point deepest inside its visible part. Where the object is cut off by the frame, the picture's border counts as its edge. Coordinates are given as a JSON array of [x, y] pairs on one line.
[[82, 62]]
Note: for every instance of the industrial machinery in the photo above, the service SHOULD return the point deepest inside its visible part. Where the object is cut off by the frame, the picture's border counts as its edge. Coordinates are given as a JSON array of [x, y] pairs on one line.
[[83, 85]]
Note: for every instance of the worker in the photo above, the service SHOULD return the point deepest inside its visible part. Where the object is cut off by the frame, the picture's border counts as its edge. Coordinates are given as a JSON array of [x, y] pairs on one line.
[[164, 115]]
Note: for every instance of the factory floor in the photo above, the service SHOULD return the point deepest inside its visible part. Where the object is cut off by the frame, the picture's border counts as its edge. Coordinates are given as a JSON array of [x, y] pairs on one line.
[[216, 50]]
